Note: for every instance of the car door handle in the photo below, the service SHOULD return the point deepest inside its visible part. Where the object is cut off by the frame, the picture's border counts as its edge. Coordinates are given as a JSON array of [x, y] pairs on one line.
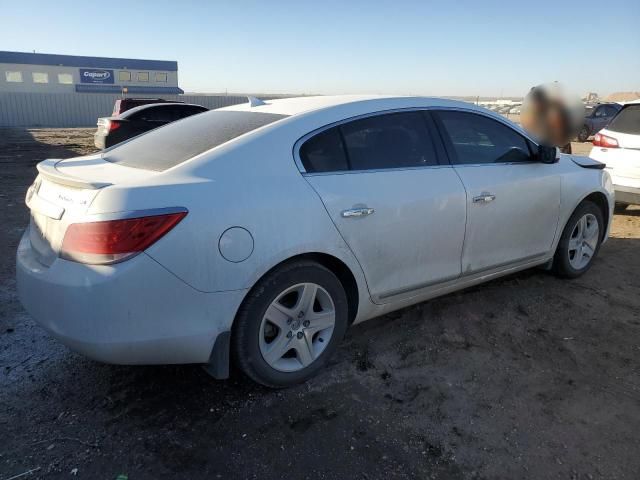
[[484, 197], [357, 212]]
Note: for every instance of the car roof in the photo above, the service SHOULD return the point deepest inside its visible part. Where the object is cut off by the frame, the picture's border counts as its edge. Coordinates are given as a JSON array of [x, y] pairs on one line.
[[299, 105], [139, 108]]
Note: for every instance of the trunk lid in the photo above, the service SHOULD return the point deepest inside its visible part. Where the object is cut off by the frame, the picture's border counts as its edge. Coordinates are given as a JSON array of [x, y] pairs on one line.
[[62, 194]]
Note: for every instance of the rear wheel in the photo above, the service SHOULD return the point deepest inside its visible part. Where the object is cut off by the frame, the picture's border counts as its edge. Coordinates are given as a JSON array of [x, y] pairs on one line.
[[290, 324], [580, 241], [583, 134]]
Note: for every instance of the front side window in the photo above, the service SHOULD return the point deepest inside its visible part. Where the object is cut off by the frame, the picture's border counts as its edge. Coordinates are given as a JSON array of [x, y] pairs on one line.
[[143, 76], [476, 139], [393, 140], [161, 77], [124, 76], [65, 78], [40, 77], [15, 77]]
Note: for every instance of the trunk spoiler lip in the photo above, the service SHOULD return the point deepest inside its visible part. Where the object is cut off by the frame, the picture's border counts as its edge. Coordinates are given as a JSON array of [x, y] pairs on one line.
[[47, 168], [586, 162]]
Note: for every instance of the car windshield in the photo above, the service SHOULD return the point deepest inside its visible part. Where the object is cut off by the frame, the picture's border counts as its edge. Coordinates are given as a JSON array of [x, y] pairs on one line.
[[177, 142], [627, 120]]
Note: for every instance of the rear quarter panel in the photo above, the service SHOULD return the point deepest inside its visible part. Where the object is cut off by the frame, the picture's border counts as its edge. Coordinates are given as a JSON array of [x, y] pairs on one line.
[[251, 183]]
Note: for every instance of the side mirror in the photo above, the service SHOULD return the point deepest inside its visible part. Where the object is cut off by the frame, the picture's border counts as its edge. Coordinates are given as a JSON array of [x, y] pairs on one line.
[[547, 154]]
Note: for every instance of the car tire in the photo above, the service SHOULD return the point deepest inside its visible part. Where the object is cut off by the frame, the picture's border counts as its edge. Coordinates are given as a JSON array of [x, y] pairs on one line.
[[580, 241], [620, 207], [583, 134], [276, 318]]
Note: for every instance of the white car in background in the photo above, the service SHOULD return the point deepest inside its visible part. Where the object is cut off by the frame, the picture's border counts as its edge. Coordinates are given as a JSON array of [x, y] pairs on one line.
[[258, 233], [618, 146]]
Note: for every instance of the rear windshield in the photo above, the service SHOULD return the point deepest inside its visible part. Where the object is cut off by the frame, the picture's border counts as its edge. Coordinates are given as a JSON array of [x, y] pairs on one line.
[[177, 142], [627, 120]]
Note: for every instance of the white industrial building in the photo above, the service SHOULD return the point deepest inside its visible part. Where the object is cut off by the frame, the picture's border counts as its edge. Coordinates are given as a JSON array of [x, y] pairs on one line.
[[47, 73], [45, 90]]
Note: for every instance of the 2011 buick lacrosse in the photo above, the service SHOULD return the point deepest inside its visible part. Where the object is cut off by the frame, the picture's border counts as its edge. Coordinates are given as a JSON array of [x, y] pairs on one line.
[[258, 233]]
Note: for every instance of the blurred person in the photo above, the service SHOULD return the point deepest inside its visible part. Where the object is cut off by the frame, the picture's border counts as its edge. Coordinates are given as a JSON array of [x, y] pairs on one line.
[[552, 115]]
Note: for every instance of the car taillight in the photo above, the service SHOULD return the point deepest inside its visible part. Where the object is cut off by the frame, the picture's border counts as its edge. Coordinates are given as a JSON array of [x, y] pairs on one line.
[[112, 125], [113, 241], [600, 140]]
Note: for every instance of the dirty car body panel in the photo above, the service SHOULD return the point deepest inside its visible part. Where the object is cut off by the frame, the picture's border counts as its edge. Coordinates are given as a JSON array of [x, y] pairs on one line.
[[205, 217]]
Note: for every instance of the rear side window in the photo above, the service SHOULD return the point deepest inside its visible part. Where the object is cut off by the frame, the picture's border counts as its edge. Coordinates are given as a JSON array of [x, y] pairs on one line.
[[394, 140], [600, 112], [187, 111], [474, 138], [177, 142], [627, 120], [324, 152], [155, 114]]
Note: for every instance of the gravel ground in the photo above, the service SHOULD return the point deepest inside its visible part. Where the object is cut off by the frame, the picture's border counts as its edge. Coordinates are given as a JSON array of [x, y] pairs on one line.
[[524, 377]]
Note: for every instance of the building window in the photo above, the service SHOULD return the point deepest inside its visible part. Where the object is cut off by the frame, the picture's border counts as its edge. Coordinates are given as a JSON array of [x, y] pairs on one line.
[[65, 78], [13, 76], [161, 77], [124, 76], [40, 77], [143, 76]]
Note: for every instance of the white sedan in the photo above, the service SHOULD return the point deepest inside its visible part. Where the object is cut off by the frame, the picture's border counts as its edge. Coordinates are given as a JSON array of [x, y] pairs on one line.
[[618, 146], [258, 233]]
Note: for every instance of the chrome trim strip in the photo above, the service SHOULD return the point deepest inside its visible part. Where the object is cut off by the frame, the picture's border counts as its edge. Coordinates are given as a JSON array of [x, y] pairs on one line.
[[123, 215], [374, 170]]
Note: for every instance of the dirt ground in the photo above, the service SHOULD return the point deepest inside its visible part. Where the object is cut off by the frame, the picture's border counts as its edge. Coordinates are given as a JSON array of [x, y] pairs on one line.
[[524, 377]]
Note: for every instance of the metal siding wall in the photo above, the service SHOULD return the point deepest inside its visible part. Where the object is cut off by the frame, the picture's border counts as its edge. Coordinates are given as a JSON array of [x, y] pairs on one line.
[[25, 109]]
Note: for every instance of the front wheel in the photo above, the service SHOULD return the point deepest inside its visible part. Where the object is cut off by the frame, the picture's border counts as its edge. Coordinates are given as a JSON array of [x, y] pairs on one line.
[[580, 241], [290, 324]]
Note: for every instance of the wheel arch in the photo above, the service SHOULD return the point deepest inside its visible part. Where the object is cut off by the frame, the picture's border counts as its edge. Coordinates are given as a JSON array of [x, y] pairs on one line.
[[220, 358], [336, 266], [600, 199]]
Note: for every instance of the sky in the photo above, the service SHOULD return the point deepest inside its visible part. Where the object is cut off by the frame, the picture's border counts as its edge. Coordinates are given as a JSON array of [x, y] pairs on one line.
[[448, 48]]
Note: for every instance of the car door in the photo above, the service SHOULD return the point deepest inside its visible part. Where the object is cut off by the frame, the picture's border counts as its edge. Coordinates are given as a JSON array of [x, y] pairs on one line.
[[513, 202], [400, 212]]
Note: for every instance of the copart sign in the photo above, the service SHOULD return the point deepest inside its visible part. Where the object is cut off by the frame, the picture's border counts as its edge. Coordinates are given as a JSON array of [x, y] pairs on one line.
[[92, 75]]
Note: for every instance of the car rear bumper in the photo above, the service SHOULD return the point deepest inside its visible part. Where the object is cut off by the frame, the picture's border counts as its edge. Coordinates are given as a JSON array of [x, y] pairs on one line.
[[135, 312], [99, 140]]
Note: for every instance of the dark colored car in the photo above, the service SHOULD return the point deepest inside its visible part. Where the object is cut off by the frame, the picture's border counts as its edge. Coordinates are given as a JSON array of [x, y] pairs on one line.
[[596, 118], [118, 128], [124, 104]]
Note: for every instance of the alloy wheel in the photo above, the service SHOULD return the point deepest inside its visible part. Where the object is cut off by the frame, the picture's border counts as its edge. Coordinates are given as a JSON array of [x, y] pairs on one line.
[[583, 241], [296, 327]]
